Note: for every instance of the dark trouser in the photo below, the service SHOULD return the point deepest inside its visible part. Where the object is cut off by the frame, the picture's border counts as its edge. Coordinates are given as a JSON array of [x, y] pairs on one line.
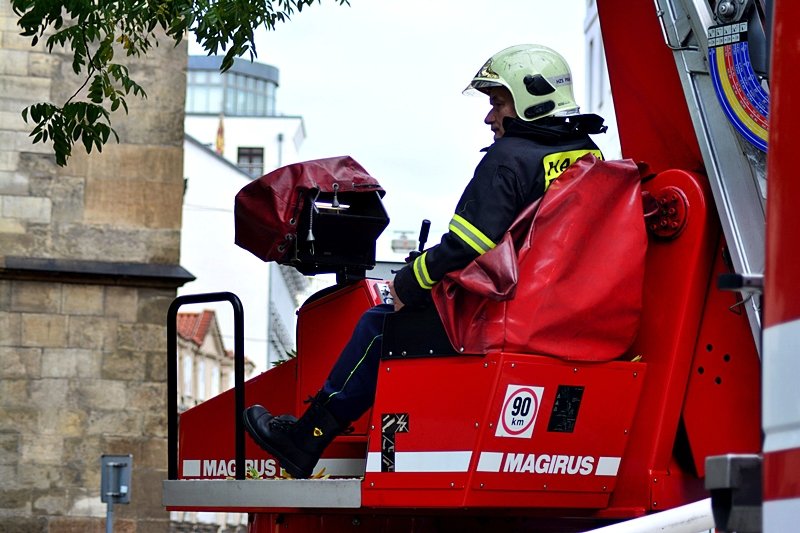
[[351, 384]]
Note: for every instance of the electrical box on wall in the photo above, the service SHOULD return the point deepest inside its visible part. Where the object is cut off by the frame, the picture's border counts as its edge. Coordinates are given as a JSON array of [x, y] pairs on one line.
[[115, 478]]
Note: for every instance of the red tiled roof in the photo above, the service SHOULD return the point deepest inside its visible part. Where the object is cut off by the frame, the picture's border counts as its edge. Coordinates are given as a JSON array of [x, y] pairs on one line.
[[194, 326]]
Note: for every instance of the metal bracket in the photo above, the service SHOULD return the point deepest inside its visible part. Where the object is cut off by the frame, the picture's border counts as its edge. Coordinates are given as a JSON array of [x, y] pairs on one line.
[[735, 485], [660, 14], [745, 283], [670, 211]]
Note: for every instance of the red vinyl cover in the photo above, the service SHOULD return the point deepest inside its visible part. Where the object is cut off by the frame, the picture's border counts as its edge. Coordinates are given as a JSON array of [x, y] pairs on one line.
[[566, 280], [267, 210]]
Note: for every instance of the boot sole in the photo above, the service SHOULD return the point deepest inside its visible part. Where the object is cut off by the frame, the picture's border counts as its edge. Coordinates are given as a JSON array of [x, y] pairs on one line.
[[288, 465]]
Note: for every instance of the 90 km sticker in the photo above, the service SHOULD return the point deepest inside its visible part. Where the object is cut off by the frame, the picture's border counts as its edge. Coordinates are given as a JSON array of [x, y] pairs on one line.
[[518, 414]]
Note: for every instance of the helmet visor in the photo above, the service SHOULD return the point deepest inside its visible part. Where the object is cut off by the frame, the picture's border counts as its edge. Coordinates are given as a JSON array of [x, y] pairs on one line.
[[478, 87]]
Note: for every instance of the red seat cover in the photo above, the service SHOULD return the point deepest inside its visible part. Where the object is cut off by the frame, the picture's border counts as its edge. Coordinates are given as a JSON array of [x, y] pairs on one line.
[[566, 280]]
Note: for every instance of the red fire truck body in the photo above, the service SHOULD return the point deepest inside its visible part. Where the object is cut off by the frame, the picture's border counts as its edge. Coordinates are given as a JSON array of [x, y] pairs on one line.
[[524, 441]]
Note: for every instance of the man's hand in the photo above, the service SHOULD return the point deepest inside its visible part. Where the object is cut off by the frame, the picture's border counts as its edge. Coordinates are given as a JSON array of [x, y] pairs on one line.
[[398, 303]]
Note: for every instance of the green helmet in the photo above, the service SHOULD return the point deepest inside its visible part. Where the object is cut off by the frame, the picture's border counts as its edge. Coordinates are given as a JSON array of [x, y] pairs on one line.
[[539, 80]]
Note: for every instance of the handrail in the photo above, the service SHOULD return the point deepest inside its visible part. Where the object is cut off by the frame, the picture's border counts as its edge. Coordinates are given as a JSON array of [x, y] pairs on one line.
[[172, 376]]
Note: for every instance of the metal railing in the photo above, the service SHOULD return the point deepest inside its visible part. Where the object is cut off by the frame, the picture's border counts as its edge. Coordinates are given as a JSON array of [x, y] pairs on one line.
[[172, 376]]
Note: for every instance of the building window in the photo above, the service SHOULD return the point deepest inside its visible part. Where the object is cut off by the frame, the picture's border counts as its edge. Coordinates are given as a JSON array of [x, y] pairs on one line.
[[208, 92], [215, 381], [248, 96], [201, 380], [591, 76], [203, 92], [270, 99], [187, 375], [251, 161], [247, 89], [603, 75]]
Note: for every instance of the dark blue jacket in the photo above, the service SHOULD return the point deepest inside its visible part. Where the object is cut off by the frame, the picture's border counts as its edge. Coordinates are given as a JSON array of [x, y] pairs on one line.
[[514, 173]]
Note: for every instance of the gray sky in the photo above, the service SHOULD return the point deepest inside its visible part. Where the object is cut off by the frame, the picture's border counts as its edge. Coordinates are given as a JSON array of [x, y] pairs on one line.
[[381, 81]]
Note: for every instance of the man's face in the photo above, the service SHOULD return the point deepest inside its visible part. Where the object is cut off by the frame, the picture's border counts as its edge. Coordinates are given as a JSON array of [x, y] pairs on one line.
[[502, 106]]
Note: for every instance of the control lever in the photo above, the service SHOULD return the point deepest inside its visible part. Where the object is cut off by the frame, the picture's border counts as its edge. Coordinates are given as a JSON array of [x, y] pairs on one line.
[[423, 238], [424, 230]]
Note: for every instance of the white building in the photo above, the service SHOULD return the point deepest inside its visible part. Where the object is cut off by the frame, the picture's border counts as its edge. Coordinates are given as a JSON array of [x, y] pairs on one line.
[[269, 293], [234, 114], [233, 136], [242, 101], [205, 365], [598, 88]]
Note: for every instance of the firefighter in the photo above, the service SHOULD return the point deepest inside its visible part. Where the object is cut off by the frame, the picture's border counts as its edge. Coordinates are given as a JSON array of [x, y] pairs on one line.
[[538, 132]]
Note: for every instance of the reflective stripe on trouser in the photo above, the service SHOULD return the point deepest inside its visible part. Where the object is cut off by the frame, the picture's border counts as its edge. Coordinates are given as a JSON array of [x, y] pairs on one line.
[[351, 384], [471, 235]]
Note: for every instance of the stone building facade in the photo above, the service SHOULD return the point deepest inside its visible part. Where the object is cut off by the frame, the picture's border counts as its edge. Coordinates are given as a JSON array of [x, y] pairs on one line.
[[88, 267]]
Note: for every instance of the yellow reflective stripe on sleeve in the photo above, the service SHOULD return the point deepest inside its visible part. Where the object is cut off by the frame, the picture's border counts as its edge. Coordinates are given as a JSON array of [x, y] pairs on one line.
[[555, 164], [471, 235], [421, 272]]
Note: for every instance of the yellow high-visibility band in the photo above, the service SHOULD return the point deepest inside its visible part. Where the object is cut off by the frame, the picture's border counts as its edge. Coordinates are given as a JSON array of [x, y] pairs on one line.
[[471, 235], [421, 272], [555, 164]]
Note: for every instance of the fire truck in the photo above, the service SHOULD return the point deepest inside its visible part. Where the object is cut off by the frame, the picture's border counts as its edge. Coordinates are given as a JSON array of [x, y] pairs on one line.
[[695, 426]]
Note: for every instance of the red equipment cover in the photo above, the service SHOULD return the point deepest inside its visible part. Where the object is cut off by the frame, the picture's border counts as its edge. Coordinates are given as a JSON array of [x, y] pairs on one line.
[[566, 280], [267, 210]]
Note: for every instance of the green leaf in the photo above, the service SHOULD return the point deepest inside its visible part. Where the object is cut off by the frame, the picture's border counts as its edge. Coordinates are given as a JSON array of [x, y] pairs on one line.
[[87, 139], [92, 113]]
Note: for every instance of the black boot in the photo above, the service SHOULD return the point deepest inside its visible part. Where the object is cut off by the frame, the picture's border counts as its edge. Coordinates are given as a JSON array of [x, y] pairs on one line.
[[257, 418], [296, 443]]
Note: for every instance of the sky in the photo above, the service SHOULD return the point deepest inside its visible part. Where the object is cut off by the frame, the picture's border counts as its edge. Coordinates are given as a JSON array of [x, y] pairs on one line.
[[382, 81]]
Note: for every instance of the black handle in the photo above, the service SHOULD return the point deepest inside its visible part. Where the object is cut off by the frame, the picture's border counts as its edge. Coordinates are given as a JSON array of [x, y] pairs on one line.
[[423, 237], [423, 233]]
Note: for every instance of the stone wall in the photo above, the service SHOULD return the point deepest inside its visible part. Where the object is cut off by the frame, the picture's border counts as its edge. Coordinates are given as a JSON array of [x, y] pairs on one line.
[[81, 374], [121, 205], [88, 267]]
